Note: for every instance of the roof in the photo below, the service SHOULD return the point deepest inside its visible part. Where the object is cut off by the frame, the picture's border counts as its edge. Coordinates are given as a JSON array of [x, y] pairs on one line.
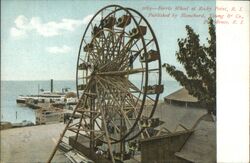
[[70, 94], [201, 145], [174, 115], [181, 95]]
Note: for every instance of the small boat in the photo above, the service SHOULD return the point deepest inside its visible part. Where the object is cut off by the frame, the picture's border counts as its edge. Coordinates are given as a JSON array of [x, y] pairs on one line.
[[21, 99], [24, 123]]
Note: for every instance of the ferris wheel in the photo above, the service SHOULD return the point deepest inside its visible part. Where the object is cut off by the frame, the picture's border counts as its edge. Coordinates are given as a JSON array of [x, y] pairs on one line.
[[118, 79]]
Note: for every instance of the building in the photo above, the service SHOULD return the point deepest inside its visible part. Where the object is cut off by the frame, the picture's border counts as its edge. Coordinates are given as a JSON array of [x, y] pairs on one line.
[[188, 133], [182, 98]]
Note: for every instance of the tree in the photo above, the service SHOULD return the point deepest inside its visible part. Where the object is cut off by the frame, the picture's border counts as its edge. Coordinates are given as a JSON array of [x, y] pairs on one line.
[[199, 62]]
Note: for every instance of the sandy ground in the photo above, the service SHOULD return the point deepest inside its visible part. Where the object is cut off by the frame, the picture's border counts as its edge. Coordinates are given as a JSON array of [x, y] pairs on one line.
[[34, 144], [31, 144]]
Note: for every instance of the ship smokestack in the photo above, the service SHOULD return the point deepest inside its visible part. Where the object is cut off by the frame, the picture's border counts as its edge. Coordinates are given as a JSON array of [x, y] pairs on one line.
[[51, 85]]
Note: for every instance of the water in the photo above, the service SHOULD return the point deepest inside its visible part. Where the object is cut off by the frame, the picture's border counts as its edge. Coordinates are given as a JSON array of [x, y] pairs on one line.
[[10, 90]]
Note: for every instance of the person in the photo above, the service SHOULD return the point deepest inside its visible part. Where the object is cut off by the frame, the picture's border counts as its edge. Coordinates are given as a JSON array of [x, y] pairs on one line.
[[109, 127], [99, 151], [132, 148], [66, 116], [131, 60]]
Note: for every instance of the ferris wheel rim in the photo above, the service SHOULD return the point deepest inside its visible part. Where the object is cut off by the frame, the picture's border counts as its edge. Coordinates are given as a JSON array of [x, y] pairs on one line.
[[144, 48], [158, 49]]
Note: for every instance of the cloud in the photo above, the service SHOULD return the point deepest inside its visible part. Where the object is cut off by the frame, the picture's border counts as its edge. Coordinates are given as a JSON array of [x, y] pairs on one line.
[[17, 33], [86, 19], [58, 50], [23, 26]]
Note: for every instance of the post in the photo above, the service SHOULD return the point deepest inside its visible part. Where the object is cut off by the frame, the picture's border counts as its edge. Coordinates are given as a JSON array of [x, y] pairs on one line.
[[38, 91], [92, 123], [51, 85]]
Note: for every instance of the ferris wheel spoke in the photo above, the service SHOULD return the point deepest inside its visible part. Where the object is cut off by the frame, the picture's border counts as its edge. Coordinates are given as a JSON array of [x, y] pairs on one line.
[[112, 49], [101, 14], [120, 43], [93, 57], [118, 59], [114, 13], [104, 123], [134, 87], [81, 59], [132, 103], [109, 44], [122, 73], [122, 108], [134, 109], [105, 55], [99, 50], [96, 44], [125, 72], [114, 90], [111, 94], [115, 83], [119, 87], [116, 42], [147, 44], [139, 22], [96, 47], [138, 52], [103, 52], [91, 26], [115, 63], [119, 40], [129, 44], [121, 113], [85, 41], [123, 62], [127, 120], [98, 135], [83, 98], [103, 38]]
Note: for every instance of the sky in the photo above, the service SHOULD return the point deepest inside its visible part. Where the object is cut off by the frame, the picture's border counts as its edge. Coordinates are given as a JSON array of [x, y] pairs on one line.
[[40, 39]]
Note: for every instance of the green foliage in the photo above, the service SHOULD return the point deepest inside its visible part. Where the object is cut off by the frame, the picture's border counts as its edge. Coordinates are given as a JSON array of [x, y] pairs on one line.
[[199, 62]]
